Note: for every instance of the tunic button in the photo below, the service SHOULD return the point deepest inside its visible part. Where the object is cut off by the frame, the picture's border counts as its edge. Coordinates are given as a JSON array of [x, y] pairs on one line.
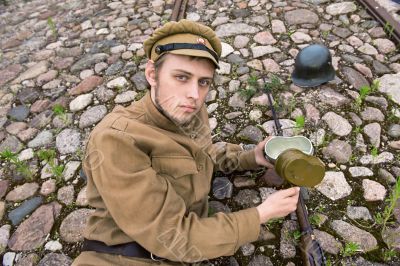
[[193, 135]]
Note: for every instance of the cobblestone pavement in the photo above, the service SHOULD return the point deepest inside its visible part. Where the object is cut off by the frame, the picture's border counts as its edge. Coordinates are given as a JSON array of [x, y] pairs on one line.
[[65, 64]]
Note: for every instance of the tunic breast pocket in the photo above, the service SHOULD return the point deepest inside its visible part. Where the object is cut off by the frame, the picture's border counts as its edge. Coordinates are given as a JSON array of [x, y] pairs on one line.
[[180, 172]]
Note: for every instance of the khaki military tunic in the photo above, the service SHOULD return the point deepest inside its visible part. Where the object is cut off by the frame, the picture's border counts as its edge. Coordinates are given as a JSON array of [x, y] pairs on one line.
[[149, 180]]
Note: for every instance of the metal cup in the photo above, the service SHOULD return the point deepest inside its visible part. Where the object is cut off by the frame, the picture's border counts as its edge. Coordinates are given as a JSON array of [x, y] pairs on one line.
[[294, 161], [278, 144]]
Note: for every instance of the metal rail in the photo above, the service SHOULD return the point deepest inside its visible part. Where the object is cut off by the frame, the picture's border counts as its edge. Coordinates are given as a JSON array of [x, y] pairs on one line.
[[391, 26], [179, 10]]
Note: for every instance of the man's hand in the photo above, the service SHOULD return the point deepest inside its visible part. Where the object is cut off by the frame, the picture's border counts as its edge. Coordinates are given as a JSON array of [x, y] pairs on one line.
[[259, 152], [279, 204]]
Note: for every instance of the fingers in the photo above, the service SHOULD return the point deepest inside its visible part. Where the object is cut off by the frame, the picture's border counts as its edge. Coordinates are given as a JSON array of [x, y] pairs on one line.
[[269, 165], [290, 192], [268, 138], [262, 143], [279, 204]]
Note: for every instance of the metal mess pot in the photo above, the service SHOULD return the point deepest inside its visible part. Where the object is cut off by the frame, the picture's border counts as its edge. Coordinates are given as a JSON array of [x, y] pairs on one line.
[[294, 161]]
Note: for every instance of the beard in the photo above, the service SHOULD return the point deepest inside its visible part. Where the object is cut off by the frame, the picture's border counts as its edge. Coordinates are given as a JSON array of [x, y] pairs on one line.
[[175, 115]]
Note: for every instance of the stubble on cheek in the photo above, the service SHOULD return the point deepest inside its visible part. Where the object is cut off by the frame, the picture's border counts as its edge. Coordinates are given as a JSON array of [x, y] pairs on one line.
[[168, 107]]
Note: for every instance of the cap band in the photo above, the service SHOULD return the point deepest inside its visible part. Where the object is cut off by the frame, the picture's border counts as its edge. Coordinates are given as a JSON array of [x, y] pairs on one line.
[[176, 46]]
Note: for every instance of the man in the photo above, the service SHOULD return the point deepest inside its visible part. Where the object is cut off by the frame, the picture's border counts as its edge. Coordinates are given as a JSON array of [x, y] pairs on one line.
[[150, 165]]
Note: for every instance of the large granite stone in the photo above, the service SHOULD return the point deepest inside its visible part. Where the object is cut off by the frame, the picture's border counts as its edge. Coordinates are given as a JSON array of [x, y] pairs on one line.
[[334, 186], [231, 29], [351, 233], [18, 113], [354, 77], [68, 141], [32, 233], [301, 16], [389, 85], [27, 207], [71, 229], [55, 259]]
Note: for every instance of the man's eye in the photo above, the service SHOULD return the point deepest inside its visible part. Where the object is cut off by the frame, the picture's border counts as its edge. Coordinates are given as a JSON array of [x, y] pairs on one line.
[[204, 82], [181, 78]]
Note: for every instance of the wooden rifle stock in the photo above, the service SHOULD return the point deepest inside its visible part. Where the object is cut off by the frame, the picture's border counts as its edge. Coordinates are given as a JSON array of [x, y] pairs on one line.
[[311, 251]]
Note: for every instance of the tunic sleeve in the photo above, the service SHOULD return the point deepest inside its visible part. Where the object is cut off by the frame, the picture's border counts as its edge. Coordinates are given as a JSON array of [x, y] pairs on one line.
[[228, 157], [146, 207]]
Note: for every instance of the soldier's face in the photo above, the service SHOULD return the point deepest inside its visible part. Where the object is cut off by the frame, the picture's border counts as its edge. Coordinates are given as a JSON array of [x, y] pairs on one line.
[[180, 86]]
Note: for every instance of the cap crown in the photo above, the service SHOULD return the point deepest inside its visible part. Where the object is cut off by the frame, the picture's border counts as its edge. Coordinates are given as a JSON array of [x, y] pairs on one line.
[[184, 31]]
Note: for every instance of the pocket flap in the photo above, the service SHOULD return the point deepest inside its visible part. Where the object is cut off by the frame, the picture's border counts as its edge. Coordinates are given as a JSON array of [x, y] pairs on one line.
[[175, 166]]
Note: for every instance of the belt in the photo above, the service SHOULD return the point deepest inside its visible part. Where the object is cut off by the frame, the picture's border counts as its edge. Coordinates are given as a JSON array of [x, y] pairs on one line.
[[131, 249]]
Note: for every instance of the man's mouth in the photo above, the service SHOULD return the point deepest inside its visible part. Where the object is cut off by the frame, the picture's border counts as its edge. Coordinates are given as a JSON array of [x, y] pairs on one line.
[[188, 108]]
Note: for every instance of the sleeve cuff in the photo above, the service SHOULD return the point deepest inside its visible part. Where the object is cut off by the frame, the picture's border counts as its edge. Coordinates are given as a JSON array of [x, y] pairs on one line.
[[248, 226], [247, 160]]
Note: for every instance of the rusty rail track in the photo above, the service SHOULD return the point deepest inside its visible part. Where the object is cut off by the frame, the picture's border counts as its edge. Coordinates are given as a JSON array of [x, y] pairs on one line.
[[391, 26], [179, 10]]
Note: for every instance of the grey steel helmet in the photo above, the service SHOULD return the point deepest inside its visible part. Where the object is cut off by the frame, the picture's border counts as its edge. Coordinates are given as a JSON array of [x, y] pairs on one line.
[[313, 66]]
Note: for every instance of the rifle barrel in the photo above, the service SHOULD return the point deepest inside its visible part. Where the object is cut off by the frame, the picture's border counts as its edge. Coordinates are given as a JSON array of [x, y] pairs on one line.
[[278, 126]]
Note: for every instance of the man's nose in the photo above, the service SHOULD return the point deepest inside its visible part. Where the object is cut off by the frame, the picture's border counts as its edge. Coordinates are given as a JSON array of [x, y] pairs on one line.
[[193, 90]]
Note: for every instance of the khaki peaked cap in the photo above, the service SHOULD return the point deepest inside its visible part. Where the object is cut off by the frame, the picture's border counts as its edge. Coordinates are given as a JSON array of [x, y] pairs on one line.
[[184, 37]]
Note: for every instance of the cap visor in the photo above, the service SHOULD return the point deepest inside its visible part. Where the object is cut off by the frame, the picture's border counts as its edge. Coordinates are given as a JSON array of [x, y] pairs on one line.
[[196, 53]]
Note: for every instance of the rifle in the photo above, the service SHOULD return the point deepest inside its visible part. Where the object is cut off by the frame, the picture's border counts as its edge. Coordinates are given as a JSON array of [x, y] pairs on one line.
[[311, 251]]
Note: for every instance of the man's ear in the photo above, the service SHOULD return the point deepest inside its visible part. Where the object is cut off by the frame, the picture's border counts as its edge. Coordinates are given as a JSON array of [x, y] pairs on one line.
[[150, 73]]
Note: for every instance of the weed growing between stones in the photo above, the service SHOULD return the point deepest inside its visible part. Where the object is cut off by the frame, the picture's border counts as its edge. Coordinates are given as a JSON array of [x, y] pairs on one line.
[[315, 220], [59, 111], [273, 223], [389, 254], [20, 166], [353, 159], [7, 2], [354, 134], [137, 59], [119, 89], [274, 84], [247, 92], [52, 26], [325, 33], [140, 95], [365, 91], [49, 157], [296, 234], [392, 118], [291, 105], [290, 33], [375, 85], [383, 219], [251, 89], [211, 211], [357, 130], [374, 151], [350, 249], [388, 28], [300, 120]]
